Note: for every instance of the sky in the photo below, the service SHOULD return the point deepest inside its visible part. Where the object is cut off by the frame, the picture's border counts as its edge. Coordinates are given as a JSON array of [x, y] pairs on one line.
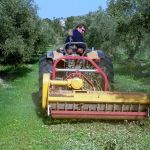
[[66, 8]]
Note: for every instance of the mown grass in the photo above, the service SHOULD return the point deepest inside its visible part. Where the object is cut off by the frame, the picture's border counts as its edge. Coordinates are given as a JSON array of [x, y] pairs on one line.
[[23, 127]]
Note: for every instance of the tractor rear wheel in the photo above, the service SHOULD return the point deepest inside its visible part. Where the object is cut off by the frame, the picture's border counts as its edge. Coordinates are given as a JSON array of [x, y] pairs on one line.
[[45, 66], [107, 66]]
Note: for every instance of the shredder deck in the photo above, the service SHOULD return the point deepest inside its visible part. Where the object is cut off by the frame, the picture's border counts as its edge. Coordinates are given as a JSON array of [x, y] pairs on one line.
[[98, 105]]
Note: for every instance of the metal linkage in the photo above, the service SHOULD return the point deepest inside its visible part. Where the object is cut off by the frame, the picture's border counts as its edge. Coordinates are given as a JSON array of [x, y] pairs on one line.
[[95, 69], [49, 110], [75, 70]]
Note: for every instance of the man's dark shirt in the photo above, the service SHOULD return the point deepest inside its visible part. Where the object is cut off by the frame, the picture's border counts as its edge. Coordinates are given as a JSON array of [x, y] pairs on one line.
[[76, 37]]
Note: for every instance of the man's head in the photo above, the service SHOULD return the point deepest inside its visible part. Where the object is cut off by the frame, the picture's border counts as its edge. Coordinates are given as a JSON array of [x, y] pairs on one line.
[[81, 28]]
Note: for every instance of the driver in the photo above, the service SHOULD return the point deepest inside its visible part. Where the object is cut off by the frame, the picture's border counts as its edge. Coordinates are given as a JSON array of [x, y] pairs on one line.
[[77, 36]]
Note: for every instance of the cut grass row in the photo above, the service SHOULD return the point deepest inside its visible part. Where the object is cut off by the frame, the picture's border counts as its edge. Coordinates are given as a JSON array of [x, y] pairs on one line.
[[22, 126]]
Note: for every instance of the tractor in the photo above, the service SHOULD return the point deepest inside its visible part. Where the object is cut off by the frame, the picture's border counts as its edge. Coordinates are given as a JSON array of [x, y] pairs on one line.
[[80, 85]]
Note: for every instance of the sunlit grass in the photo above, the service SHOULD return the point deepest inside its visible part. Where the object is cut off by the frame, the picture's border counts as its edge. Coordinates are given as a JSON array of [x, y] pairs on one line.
[[22, 126]]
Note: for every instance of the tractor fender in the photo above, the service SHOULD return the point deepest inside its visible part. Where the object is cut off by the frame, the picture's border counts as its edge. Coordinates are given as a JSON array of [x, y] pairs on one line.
[[97, 54], [50, 54], [93, 55], [101, 54], [54, 55]]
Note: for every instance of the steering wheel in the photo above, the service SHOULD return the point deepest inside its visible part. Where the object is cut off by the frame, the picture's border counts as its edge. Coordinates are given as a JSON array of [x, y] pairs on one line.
[[74, 46]]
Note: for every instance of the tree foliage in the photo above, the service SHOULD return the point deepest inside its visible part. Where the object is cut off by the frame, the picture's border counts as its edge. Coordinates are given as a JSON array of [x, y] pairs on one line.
[[22, 32], [133, 29], [123, 28], [101, 31], [18, 29]]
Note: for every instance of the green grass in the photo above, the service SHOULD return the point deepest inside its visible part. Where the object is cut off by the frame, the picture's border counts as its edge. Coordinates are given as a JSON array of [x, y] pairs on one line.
[[129, 77], [22, 126]]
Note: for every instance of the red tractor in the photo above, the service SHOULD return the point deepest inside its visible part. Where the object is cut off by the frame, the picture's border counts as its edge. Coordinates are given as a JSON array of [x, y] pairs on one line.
[[78, 83]]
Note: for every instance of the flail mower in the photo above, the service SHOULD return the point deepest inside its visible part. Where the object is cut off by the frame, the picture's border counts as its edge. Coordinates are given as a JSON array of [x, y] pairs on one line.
[[80, 86]]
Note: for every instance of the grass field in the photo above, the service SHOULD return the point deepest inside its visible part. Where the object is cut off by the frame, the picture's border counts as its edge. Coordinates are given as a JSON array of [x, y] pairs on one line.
[[22, 126]]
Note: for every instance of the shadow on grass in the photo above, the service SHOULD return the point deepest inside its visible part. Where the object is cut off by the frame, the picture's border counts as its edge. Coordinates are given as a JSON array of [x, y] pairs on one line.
[[38, 109], [11, 73]]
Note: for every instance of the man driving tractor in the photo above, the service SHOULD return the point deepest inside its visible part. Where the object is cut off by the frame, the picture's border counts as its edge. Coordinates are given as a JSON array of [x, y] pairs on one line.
[[76, 36]]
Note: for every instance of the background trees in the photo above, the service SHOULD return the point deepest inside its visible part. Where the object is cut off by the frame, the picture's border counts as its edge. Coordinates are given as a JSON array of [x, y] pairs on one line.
[[133, 28], [19, 29], [101, 33], [123, 30], [22, 32]]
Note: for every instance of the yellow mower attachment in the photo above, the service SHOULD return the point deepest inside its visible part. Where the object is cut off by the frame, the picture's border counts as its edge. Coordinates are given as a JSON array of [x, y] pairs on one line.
[[67, 99], [75, 83]]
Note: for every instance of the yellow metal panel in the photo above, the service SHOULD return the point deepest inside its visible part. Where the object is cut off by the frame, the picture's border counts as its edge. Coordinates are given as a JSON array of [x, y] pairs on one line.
[[92, 55], [102, 97], [57, 55], [46, 78], [58, 82], [75, 83]]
